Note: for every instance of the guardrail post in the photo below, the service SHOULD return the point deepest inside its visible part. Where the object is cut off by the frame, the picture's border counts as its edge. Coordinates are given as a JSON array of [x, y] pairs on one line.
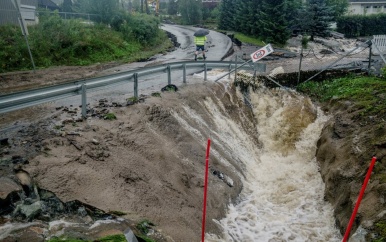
[[235, 67], [84, 101], [169, 75], [136, 85], [205, 72], [184, 73], [229, 71]]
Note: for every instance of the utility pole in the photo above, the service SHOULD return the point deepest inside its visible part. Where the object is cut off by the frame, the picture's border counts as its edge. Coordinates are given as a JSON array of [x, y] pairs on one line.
[[24, 29]]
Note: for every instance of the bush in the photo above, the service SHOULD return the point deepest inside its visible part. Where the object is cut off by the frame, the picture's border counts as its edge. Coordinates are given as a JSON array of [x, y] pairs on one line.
[[383, 72], [55, 41], [13, 49], [362, 25]]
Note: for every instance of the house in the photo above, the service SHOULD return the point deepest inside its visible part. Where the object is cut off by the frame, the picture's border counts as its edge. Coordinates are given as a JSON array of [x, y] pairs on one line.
[[364, 7], [9, 13], [48, 4]]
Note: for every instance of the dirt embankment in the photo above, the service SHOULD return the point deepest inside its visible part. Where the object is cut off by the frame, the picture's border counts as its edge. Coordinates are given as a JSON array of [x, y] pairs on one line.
[[345, 149], [143, 163]]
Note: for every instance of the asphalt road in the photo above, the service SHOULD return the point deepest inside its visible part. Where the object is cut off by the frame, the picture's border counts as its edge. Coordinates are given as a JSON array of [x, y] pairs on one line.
[[217, 46]]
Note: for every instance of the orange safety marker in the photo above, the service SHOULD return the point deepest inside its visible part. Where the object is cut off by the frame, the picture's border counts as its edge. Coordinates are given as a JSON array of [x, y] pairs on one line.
[[354, 213], [205, 191]]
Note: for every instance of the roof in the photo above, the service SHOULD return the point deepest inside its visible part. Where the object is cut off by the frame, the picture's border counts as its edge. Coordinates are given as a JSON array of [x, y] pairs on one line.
[[367, 1], [48, 4]]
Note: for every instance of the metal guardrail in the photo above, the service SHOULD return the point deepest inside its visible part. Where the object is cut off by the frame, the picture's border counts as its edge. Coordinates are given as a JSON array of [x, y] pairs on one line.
[[28, 98]]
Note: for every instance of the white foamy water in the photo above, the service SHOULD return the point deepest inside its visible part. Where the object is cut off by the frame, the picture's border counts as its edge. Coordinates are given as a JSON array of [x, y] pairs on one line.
[[282, 197]]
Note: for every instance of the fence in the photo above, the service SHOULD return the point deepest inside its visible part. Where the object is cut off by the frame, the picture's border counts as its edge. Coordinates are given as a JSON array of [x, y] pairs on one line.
[[15, 101], [9, 15], [322, 59]]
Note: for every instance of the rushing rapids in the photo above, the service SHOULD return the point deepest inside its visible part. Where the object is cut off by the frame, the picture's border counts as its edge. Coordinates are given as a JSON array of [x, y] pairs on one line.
[[282, 196]]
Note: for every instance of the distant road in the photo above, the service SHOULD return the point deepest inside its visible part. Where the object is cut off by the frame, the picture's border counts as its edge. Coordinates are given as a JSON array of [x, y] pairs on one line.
[[217, 45]]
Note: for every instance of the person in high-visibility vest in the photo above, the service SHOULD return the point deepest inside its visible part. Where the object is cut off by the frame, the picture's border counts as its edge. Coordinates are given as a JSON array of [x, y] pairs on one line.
[[200, 45]]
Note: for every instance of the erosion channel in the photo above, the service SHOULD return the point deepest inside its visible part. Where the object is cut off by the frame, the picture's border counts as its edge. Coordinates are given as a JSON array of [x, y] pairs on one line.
[[146, 162]]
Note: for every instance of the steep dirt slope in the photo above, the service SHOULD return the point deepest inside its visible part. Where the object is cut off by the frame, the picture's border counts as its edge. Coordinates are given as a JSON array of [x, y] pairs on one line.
[[345, 149]]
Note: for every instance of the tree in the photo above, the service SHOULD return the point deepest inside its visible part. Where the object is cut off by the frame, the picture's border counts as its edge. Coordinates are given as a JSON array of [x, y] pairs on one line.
[[172, 7], [106, 9], [273, 22], [191, 11], [67, 6], [339, 7], [244, 15], [227, 14], [317, 18]]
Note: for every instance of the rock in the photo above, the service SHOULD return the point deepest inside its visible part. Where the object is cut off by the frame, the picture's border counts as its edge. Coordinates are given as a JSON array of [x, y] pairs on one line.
[[30, 211], [7, 186], [169, 87], [4, 142], [129, 235], [229, 181], [82, 211], [24, 178], [95, 142], [359, 235]]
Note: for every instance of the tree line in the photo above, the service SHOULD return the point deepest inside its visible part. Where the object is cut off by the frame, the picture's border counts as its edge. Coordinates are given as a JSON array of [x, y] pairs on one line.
[[274, 20]]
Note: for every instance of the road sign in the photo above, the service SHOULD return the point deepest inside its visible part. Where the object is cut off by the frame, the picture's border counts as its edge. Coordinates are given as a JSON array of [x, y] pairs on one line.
[[260, 53]]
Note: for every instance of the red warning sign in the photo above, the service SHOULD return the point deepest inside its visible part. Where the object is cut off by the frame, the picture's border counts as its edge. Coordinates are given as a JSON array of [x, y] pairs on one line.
[[260, 53]]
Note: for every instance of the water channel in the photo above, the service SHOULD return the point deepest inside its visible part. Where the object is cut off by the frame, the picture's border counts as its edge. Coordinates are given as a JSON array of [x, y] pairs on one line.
[[283, 193]]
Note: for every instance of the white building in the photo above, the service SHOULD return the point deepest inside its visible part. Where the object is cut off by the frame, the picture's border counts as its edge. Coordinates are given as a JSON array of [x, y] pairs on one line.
[[364, 7]]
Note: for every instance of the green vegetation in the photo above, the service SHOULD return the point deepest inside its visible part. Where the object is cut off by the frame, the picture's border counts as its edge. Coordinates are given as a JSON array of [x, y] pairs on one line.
[[113, 238], [144, 226], [249, 39], [145, 238], [109, 238], [110, 116], [156, 94], [368, 93], [380, 228], [55, 41], [362, 25], [132, 100]]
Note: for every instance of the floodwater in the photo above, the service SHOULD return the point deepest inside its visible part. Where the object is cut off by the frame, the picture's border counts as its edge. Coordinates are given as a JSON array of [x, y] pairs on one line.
[[282, 196]]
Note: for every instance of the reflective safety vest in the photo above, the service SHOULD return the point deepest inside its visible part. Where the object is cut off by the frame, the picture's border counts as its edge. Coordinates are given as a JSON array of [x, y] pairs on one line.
[[199, 40]]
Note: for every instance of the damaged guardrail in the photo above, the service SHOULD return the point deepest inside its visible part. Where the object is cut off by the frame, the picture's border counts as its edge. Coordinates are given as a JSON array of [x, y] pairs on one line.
[[23, 99]]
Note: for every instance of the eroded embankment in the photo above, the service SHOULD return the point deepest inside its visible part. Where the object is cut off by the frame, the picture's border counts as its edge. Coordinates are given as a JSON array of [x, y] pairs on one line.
[[148, 163], [347, 144]]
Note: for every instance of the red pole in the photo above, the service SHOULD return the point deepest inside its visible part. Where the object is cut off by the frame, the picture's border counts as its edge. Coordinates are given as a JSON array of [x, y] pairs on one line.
[[346, 235], [205, 191]]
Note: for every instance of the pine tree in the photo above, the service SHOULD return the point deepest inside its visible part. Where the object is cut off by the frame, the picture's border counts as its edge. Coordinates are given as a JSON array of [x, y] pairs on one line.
[[273, 22], [227, 14], [318, 18], [191, 11], [172, 7], [67, 6], [339, 7], [246, 17]]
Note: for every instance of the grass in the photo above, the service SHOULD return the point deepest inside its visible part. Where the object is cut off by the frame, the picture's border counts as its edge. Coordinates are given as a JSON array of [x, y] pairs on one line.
[[109, 238], [110, 116], [368, 93], [249, 39]]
